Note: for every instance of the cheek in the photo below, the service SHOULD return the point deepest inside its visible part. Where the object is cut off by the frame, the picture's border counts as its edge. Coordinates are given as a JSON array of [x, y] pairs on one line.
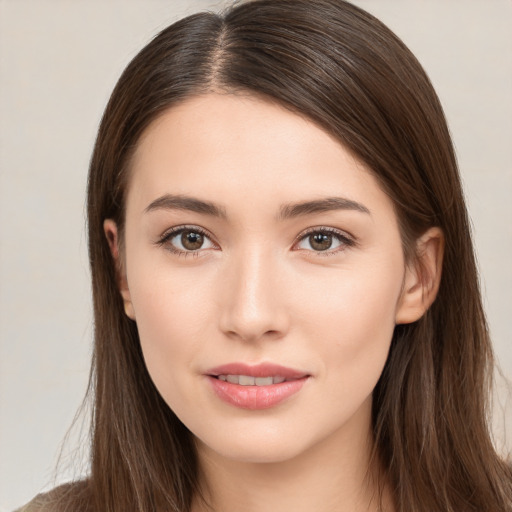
[[352, 318], [353, 300], [171, 314]]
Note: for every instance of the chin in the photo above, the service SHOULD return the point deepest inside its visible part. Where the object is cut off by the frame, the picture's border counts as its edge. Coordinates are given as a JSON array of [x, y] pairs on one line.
[[261, 454], [262, 449]]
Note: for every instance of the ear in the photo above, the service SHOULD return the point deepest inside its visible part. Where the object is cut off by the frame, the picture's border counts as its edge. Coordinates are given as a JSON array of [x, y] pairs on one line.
[[422, 277], [112, 234]]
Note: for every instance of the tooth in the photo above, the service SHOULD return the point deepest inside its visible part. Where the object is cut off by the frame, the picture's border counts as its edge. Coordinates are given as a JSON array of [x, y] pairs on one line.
[[263, 381], [246, 380]]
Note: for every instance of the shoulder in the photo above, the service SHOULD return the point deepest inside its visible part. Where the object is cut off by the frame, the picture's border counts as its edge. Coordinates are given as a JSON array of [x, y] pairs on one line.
[[70, 497]]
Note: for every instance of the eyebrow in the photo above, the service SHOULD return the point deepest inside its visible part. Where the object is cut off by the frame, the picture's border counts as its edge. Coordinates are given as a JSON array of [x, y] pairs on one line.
[[286, 211], [191, 204], [289, 211]]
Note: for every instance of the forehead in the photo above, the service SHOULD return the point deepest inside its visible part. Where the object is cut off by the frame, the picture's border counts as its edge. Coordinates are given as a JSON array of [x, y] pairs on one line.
[[244, 151]]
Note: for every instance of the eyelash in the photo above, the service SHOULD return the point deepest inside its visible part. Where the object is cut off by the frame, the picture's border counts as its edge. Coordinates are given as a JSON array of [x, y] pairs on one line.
[[169, 235], [344, 239]]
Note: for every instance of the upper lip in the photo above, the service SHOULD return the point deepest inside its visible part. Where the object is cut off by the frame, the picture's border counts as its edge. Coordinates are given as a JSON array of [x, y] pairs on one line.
[[258, 370]]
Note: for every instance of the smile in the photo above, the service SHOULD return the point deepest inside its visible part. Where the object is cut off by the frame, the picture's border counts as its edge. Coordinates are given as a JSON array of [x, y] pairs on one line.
[[255, 387], [249, 380]]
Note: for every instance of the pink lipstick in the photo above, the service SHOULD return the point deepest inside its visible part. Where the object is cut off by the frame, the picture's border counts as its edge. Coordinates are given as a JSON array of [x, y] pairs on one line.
[[255, 387]]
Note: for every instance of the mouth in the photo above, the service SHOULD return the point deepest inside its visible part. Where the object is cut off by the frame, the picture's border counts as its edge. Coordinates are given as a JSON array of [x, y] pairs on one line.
[[246, 372], [255, 387], [249, 380]]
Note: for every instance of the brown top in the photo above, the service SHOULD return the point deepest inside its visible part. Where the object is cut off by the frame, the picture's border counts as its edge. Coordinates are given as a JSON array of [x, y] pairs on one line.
[[55, 500]]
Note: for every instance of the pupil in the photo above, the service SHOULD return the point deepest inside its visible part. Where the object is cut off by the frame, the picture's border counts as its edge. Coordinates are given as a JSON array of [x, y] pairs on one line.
[[191, 240], [320, 241]]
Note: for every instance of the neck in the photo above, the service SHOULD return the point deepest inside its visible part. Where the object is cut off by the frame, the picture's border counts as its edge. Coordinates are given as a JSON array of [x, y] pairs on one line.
[[335, 475]]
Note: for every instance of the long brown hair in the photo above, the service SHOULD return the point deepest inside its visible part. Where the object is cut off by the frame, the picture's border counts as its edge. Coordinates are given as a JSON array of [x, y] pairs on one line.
[[343, 69]]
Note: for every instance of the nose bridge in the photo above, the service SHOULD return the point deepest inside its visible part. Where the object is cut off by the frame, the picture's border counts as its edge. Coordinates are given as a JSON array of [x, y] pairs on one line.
[[252, 304]]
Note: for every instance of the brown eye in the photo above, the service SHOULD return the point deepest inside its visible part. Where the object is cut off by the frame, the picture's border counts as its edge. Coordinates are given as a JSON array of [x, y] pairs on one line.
[[186, 240], [320, 241], [191, 240], [325, 240]]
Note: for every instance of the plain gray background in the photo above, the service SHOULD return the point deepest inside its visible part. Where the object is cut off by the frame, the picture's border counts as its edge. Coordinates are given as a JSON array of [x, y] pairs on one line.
[[59, 61]]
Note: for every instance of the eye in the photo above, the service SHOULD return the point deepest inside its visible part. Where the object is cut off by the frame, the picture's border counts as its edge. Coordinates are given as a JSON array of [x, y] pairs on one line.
[[324, 240], [185, 240]]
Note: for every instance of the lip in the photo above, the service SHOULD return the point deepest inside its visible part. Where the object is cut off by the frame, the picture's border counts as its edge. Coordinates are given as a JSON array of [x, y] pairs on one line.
[[259, 370], [256, 397]]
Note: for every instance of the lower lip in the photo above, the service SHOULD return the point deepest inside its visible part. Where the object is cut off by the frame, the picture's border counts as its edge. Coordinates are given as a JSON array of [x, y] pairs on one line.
[[255, 397]]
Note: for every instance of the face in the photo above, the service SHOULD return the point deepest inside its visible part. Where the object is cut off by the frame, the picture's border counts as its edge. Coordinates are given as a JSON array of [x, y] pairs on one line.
[[264, 268]]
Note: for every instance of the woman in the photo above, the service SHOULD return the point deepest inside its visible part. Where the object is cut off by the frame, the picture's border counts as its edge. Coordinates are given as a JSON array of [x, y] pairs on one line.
[[287, 313]]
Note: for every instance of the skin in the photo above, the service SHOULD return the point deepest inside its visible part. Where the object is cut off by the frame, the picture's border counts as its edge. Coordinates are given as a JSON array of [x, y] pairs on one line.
[[259, 290]]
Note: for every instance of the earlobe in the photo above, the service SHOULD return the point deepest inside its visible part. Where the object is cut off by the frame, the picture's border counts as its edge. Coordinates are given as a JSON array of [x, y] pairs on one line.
[[422, 277], [112, 234]]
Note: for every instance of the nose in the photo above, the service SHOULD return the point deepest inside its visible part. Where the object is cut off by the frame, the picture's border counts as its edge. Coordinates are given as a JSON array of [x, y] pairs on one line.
[[252, 305]]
